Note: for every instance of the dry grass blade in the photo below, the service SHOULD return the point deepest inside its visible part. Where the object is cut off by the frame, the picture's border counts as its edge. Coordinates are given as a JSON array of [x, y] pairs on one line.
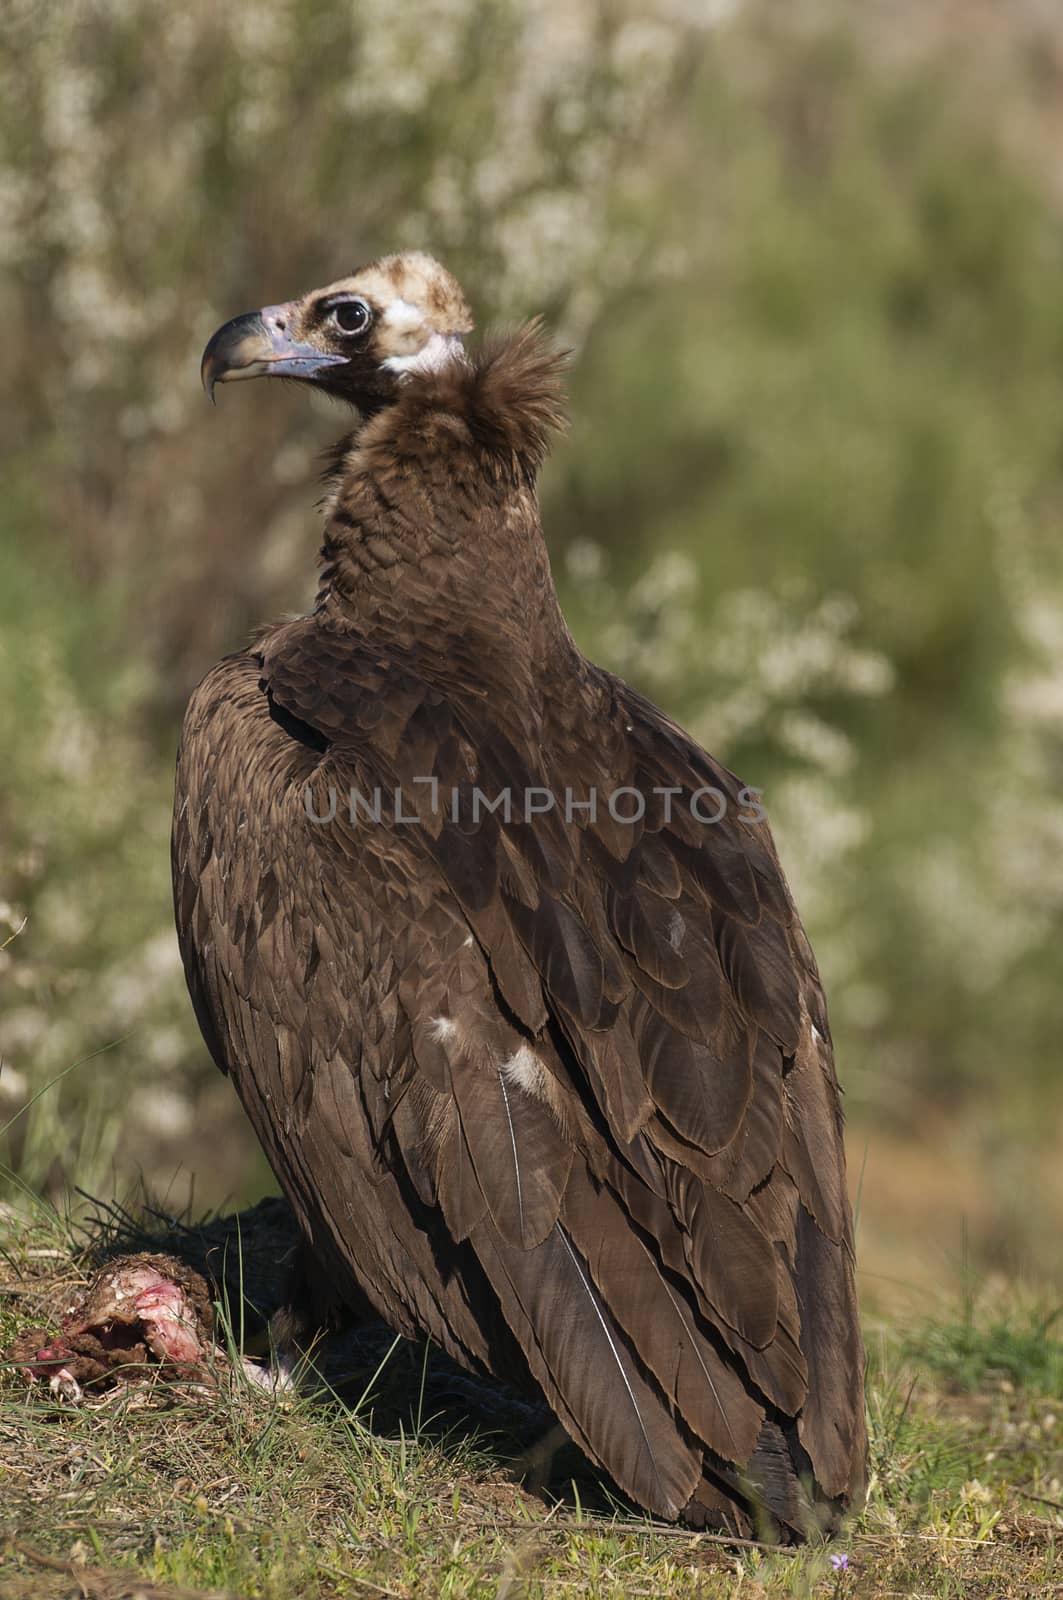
[[93, 1583], [573, 1526]]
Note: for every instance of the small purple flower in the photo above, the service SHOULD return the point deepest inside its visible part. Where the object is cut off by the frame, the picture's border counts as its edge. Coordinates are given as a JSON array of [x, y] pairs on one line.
[[840, 1563]]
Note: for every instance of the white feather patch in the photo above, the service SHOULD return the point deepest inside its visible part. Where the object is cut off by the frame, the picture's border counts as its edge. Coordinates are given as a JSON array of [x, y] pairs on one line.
[[401, 316], [436, 352], [524, 1070], [443, 1030]]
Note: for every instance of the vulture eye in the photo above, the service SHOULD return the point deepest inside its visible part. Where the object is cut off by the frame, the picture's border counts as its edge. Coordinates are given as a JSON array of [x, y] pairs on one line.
[[350, 316]]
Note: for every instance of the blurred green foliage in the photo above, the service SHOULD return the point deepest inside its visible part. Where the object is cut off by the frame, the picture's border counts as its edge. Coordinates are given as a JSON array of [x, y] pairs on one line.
[[809, 502]]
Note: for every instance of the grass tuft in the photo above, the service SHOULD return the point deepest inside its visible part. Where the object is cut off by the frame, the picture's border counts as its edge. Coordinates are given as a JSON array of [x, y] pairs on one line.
[[1022, 1346]]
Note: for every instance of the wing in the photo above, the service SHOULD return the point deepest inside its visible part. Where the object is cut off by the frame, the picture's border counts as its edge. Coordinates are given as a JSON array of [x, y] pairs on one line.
[[586, 1057], [293, 976]]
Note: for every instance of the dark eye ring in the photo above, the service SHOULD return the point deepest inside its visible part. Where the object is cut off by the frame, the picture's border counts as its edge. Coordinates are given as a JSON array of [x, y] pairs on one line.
[[351, 316]]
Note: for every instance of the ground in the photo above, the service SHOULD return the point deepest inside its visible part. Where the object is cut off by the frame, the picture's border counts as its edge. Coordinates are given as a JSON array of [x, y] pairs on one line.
[[402, 1481]]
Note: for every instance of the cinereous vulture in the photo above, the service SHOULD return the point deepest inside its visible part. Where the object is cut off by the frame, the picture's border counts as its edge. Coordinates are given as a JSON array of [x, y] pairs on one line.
[[502, 965]]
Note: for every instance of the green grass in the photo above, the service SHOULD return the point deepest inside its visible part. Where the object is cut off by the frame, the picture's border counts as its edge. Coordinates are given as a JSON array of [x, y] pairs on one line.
[[1017, 1347], [159, 1492]]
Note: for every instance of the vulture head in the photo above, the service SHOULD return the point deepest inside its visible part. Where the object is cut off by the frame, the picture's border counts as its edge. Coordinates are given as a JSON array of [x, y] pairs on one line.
[[358, 339]]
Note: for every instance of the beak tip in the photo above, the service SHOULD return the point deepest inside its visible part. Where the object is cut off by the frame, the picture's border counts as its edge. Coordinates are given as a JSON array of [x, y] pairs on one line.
[[248, 347]]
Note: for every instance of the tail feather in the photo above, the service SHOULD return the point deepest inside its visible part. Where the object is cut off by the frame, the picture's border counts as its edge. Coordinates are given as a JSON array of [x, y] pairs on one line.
[[587, 1370], [672, 1340]]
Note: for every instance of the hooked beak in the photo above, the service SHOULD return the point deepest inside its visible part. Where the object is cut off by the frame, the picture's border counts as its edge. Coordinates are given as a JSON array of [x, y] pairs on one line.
[[258, 345]]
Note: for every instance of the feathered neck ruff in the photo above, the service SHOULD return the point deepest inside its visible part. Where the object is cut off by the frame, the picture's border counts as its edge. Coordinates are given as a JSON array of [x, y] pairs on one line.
[[432, 538]]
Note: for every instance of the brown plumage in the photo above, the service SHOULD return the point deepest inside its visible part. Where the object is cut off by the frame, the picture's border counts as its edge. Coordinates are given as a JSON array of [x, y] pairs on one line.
[[555, 1089]]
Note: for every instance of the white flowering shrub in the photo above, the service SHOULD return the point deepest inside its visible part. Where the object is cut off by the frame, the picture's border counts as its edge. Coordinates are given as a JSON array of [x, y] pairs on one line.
[[162, 167]]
